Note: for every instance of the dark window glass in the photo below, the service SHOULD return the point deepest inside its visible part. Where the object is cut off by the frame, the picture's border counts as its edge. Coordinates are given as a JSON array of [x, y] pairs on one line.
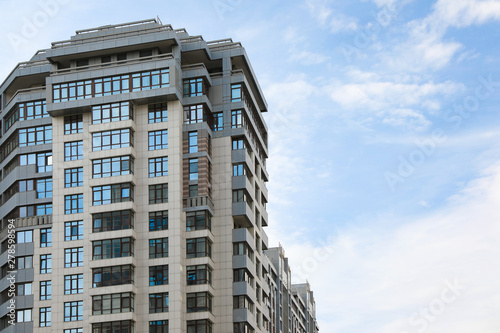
[[157, 113], [158, 220], [116, 220], [158, 193], [158, 275], [158, 248], [73, 124]]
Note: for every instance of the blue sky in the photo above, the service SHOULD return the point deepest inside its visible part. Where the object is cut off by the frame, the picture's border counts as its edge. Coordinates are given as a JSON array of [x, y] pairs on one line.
[[383, 119]]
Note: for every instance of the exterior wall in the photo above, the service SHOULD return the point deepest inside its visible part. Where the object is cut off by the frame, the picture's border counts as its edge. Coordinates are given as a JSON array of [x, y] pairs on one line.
[[220, 65]]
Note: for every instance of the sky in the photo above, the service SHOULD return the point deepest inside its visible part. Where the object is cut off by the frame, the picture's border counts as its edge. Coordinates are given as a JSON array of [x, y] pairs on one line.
[[384, 164]]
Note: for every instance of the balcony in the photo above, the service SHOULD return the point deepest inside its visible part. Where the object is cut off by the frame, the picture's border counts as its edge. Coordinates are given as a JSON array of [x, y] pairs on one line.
[[28, 222], [243, 214], [197, 203], [242, 235]]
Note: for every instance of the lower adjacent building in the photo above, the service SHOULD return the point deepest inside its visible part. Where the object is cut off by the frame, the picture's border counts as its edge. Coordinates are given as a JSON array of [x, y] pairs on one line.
[[133, 190]]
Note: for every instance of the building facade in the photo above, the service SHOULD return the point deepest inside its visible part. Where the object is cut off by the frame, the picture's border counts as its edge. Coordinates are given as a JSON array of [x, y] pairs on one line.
[[133, 180]]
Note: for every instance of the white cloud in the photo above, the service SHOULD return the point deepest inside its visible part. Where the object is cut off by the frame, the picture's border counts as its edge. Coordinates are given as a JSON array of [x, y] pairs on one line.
[[426, 48], [382, 276], [331, 19], [463, 13], [394, 103]]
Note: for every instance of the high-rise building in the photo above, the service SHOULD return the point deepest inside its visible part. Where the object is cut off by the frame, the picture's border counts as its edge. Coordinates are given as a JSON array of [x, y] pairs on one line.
[[133, 185]]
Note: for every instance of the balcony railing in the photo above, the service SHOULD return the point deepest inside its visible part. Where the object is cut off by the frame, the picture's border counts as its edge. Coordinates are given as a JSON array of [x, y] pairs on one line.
[[198, 201], [28, 222]]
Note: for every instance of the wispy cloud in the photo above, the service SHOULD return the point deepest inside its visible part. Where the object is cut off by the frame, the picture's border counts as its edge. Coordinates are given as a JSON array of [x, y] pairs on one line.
[[329, 18], [384, 276], [394, 103]]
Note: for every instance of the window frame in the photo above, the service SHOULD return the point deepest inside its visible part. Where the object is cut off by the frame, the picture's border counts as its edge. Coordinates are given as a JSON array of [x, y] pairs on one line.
[[158, 275], [73, 150], [73, 177], [158, 139], [158, 247], [158, 193], [158, 220], [158, 166]]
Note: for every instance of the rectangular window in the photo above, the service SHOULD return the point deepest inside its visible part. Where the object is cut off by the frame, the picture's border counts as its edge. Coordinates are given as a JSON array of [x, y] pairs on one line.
[[158, 248], [44, 188], [46, 237], [198, 220], [158, 326], [73, 204], [198, 247], [195, 114], [158, 275], [73, 124], [24, 289], [239, 196], [243, 302], [45, 290], [73, 311], [193, 191], [73, 284], [73, 150], [158, 303], [158, 220], [106, 86], [35, 136], [193, 169], [116, 220], [24, 262], [193, 142], [200, 326], [26, 111], [157, 113], [242, 275], [73, 257], [23, 316], [112, 166], [26, 185], [112, 112], [242, 248], [112, 139], [24, 236], [45, 209], [112, 276], [237, 119], [238, 169], [194, 87], [158, 166], [74, 330], [124, 326], [158, 193], [108, 194], [45, 317], [200, 274], [73, 230], [198, 302], [113, 248], [236, 92], [158, 140], [73, 177], [45, 263], [238, 144], [112, 303], [218, 121]]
